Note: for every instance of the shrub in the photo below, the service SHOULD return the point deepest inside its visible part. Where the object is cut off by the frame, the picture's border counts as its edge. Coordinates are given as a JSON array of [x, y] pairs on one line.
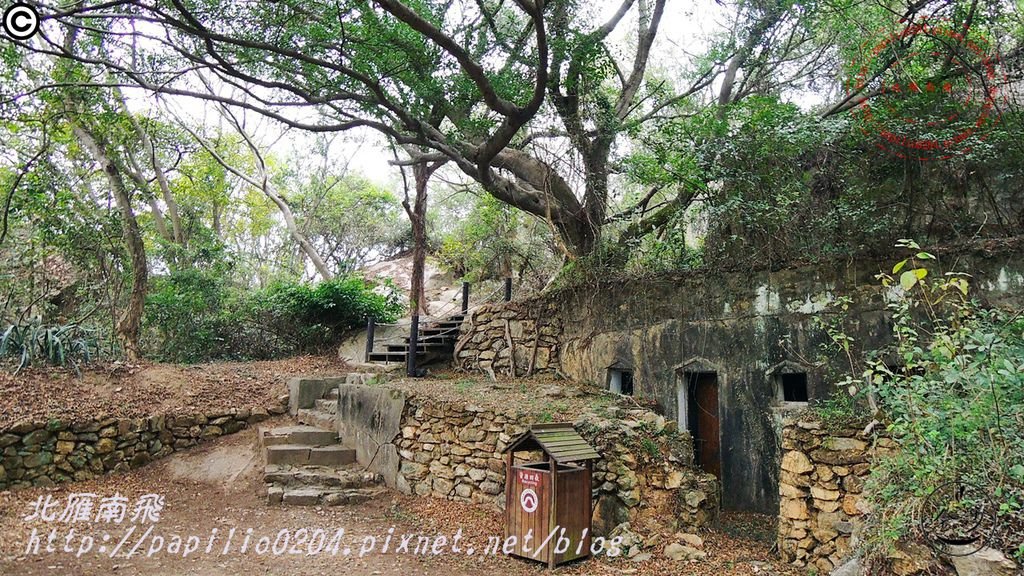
[[194, 316], [67, 345], [951, 390]]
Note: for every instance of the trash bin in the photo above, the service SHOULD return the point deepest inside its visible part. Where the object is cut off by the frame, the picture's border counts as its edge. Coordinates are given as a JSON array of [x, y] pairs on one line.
[[549, 500]]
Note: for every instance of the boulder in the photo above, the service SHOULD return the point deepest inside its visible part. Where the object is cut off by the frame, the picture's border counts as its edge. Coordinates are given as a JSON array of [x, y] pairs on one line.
[[985, 562]]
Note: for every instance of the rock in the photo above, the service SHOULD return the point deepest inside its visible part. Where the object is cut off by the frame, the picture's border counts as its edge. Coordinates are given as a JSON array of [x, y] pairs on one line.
[[490, 487], [984, 562], [787, 491], [65, 447], [643, 557], [910, 558], [105, 445], [854, 505], [674, 479], [796, 462], [38, 459], [694, 498], [36, 438], [842, 444], [677, 551], [691, 540], [793, 508], [609, 514], [851, 568], [823, 494]]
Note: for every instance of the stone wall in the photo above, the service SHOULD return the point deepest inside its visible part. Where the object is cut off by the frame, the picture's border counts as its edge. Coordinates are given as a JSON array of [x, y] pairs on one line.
[[821, 488], [453, 449], [513, 339], [44, 453]]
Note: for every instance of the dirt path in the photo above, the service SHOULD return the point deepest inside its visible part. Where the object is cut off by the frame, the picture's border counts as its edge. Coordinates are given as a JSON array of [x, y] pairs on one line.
[[218, 486]]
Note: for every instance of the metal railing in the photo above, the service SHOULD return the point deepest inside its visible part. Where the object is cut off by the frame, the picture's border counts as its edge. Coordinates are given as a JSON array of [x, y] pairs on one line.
[[437, 317]]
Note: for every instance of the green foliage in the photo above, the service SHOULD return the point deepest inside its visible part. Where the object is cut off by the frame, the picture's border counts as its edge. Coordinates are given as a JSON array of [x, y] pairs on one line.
[[67, 345], [951, 390], [193, 316], [650, 447]]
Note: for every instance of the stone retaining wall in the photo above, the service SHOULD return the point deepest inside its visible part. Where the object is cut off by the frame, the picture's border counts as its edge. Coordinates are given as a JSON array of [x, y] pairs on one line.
[[821, 487], [510, 338], [44, 453], [454, 450]]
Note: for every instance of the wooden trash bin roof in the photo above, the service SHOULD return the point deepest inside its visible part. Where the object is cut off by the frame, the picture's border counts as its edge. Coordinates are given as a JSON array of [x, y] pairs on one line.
[[559, 441]]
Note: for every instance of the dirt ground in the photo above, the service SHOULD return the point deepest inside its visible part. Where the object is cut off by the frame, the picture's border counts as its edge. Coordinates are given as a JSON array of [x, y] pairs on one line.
[[127, 390], [218, 485]]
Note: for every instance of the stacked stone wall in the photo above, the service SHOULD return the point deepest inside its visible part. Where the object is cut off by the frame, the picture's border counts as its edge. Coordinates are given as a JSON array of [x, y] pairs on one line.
[[48, 452], [511, 338], [455, 450], [821, 490]]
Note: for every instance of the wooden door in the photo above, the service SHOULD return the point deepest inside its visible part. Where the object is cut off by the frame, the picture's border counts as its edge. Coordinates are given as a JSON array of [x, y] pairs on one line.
[[704, 422]]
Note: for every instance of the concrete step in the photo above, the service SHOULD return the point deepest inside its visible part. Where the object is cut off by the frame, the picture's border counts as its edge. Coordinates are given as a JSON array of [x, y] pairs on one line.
[[393, 356], [310, 435], [314, 496], [317, 418], [328, 406], [320, 477], [304, 454], [332, 394], [423, 347]]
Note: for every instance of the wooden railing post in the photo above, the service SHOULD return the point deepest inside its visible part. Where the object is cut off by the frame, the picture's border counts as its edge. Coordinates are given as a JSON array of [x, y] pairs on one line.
[[508, 289], [465, 297]]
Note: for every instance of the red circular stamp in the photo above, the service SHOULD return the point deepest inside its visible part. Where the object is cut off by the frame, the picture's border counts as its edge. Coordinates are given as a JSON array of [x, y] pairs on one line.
[[928, 91]]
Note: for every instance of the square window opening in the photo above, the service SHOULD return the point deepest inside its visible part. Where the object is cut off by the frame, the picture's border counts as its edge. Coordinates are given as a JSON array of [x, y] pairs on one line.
[[620, 381], [793, 387]]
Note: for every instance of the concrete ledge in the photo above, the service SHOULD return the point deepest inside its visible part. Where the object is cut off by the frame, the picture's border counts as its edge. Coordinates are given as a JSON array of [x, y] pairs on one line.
[[304, 392]]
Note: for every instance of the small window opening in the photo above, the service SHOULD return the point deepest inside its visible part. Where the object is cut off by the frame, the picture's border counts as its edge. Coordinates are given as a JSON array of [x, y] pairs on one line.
[[794, 387], [620, 381]]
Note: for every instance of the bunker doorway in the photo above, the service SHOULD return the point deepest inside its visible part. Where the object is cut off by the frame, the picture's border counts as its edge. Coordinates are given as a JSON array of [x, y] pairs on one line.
[[699, 406]]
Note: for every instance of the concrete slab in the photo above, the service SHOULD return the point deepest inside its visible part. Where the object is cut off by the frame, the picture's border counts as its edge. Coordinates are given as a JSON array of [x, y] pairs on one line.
[[294, 454], [331, 456]]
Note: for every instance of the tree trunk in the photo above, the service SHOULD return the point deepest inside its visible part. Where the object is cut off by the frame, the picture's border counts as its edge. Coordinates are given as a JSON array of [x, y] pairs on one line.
[[129, 323], [304, 244], [418, 217]]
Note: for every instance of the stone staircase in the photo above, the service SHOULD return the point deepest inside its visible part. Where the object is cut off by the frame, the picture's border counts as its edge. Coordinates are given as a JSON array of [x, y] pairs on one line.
[[308, 465], [435, 341]]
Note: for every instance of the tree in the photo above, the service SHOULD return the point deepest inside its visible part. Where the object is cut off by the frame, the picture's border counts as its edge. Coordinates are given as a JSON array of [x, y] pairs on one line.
[[462, 89]]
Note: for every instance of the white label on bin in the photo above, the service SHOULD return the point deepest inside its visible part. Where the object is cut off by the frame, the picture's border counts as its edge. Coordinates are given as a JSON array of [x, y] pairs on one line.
[[529, 500]]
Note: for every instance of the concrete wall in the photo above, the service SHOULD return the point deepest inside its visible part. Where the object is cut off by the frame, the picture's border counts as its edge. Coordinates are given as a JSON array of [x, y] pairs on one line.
[[745, 326]]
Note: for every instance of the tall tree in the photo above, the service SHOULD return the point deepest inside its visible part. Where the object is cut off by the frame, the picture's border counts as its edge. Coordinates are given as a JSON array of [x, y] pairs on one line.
[[459, 80]]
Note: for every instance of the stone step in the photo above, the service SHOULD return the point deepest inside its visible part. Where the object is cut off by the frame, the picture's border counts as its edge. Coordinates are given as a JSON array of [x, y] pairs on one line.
[[309, 435], [317, 418], [314, 496], [329, 406], [304, 454], [320, 477], [332, 394]]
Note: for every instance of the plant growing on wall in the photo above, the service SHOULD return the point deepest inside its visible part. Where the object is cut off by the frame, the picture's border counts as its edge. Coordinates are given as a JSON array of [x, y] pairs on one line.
[[950, 389]]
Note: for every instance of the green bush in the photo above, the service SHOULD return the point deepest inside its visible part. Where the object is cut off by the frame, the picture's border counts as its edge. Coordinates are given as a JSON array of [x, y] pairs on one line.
[[951, 391], [194, 316]]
